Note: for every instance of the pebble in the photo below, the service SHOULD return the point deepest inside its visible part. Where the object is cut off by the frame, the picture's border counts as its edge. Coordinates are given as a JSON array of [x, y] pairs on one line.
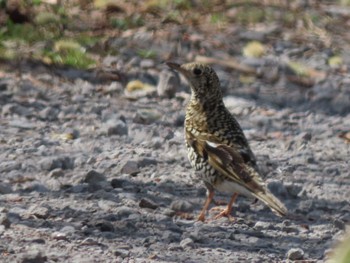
[[40, 211], [146, 116], [51, 163], [147, 203], [33, 255], [49, 114], [147, 63], [131, 168], [277, 188], [295, 254], [4, 220], [116, 127], [168, 84], [339, 224], [93, 177], [187, 243], [263, 225], [5, 188], [56, 173], [182, 206], [143, 162]]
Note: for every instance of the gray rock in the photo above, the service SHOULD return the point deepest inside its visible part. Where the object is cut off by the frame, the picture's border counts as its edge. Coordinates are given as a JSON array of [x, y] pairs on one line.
[[277, 188], [33, 255], [4, 220], [123, 253], [146, 116], [130, 167], [182, 205], [293, 189], [168, 84], [263, 225], [339, 224], [56, 173], [40, 211], [93, 177], [171, 237], [13, 108], [118, 183], [295, 254], [187, 243], [147, 63], [147, 203], [146, 162], [49, 114], [5, 188], [124, 211], [104, 226], [116, 127], [51, 163]]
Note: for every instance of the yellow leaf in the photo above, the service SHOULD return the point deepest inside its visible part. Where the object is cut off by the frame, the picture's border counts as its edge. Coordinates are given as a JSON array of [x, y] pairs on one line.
[[254, 49]]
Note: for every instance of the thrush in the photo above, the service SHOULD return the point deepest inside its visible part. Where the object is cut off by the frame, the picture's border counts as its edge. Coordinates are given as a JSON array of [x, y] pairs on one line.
[[217, 147]]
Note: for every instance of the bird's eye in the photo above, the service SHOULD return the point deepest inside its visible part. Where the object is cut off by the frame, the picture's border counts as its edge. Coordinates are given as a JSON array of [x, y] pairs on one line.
[[197, 71]]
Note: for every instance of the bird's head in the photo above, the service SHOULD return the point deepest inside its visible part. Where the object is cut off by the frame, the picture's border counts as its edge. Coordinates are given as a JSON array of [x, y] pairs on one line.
[[204, 82]]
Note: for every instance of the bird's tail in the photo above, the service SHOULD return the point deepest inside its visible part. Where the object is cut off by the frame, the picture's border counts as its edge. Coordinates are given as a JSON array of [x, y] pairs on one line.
[[272, 202]]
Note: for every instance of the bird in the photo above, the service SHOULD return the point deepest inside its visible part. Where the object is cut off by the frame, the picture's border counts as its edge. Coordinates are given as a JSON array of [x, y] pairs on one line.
[[217, 148]]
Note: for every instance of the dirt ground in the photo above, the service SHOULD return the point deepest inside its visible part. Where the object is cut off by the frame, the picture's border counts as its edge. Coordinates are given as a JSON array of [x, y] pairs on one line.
[[93, 169]]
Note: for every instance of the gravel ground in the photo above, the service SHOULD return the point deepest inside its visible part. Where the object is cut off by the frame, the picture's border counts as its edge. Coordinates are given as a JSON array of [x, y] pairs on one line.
[[90, 173]]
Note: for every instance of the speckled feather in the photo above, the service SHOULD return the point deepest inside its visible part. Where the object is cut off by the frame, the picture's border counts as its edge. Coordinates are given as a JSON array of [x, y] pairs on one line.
[[217, 147]]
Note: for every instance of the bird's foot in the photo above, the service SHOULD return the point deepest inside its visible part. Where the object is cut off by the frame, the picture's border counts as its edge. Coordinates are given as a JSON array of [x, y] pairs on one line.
[[201, 217], [224, 213]]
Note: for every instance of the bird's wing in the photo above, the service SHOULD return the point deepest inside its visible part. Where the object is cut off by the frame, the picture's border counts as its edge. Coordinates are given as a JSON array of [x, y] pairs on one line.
[[227, 160], [230, 163]]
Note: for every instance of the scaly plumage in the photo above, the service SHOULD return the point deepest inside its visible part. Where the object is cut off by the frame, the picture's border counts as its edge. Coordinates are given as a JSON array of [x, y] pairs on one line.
[[217, 147]]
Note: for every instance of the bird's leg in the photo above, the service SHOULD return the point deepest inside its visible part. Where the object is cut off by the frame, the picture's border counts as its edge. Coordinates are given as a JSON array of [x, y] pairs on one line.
[[227, 211], [210, 197]]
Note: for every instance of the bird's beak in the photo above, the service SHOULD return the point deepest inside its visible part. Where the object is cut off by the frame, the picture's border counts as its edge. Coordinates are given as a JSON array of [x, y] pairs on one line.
[[177, 67]]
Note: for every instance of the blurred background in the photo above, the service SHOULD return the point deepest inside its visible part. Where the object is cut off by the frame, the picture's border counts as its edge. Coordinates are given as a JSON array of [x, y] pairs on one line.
[[271, 42]]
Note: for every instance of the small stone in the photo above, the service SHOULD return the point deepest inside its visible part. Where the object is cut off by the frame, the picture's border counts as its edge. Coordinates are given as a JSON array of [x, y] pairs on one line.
[[124, 211], [262, 225], [4, 220], [93, 177], [168, 84], [40, 211], [187, 242], [68, 230], [146, 162], [104, 226], [5, 188], [123, 253], [89, 242], [181, 205], [56, 173], [338, 223], [131, 167], [168, 212], [147, 63], [51, 163], [147, 203], [33, 256], [295, 254], [59, 236], [170, 236], [146, 116], [117, 183], [117, 127], [277, 188], [293, 189], [49, 114]]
